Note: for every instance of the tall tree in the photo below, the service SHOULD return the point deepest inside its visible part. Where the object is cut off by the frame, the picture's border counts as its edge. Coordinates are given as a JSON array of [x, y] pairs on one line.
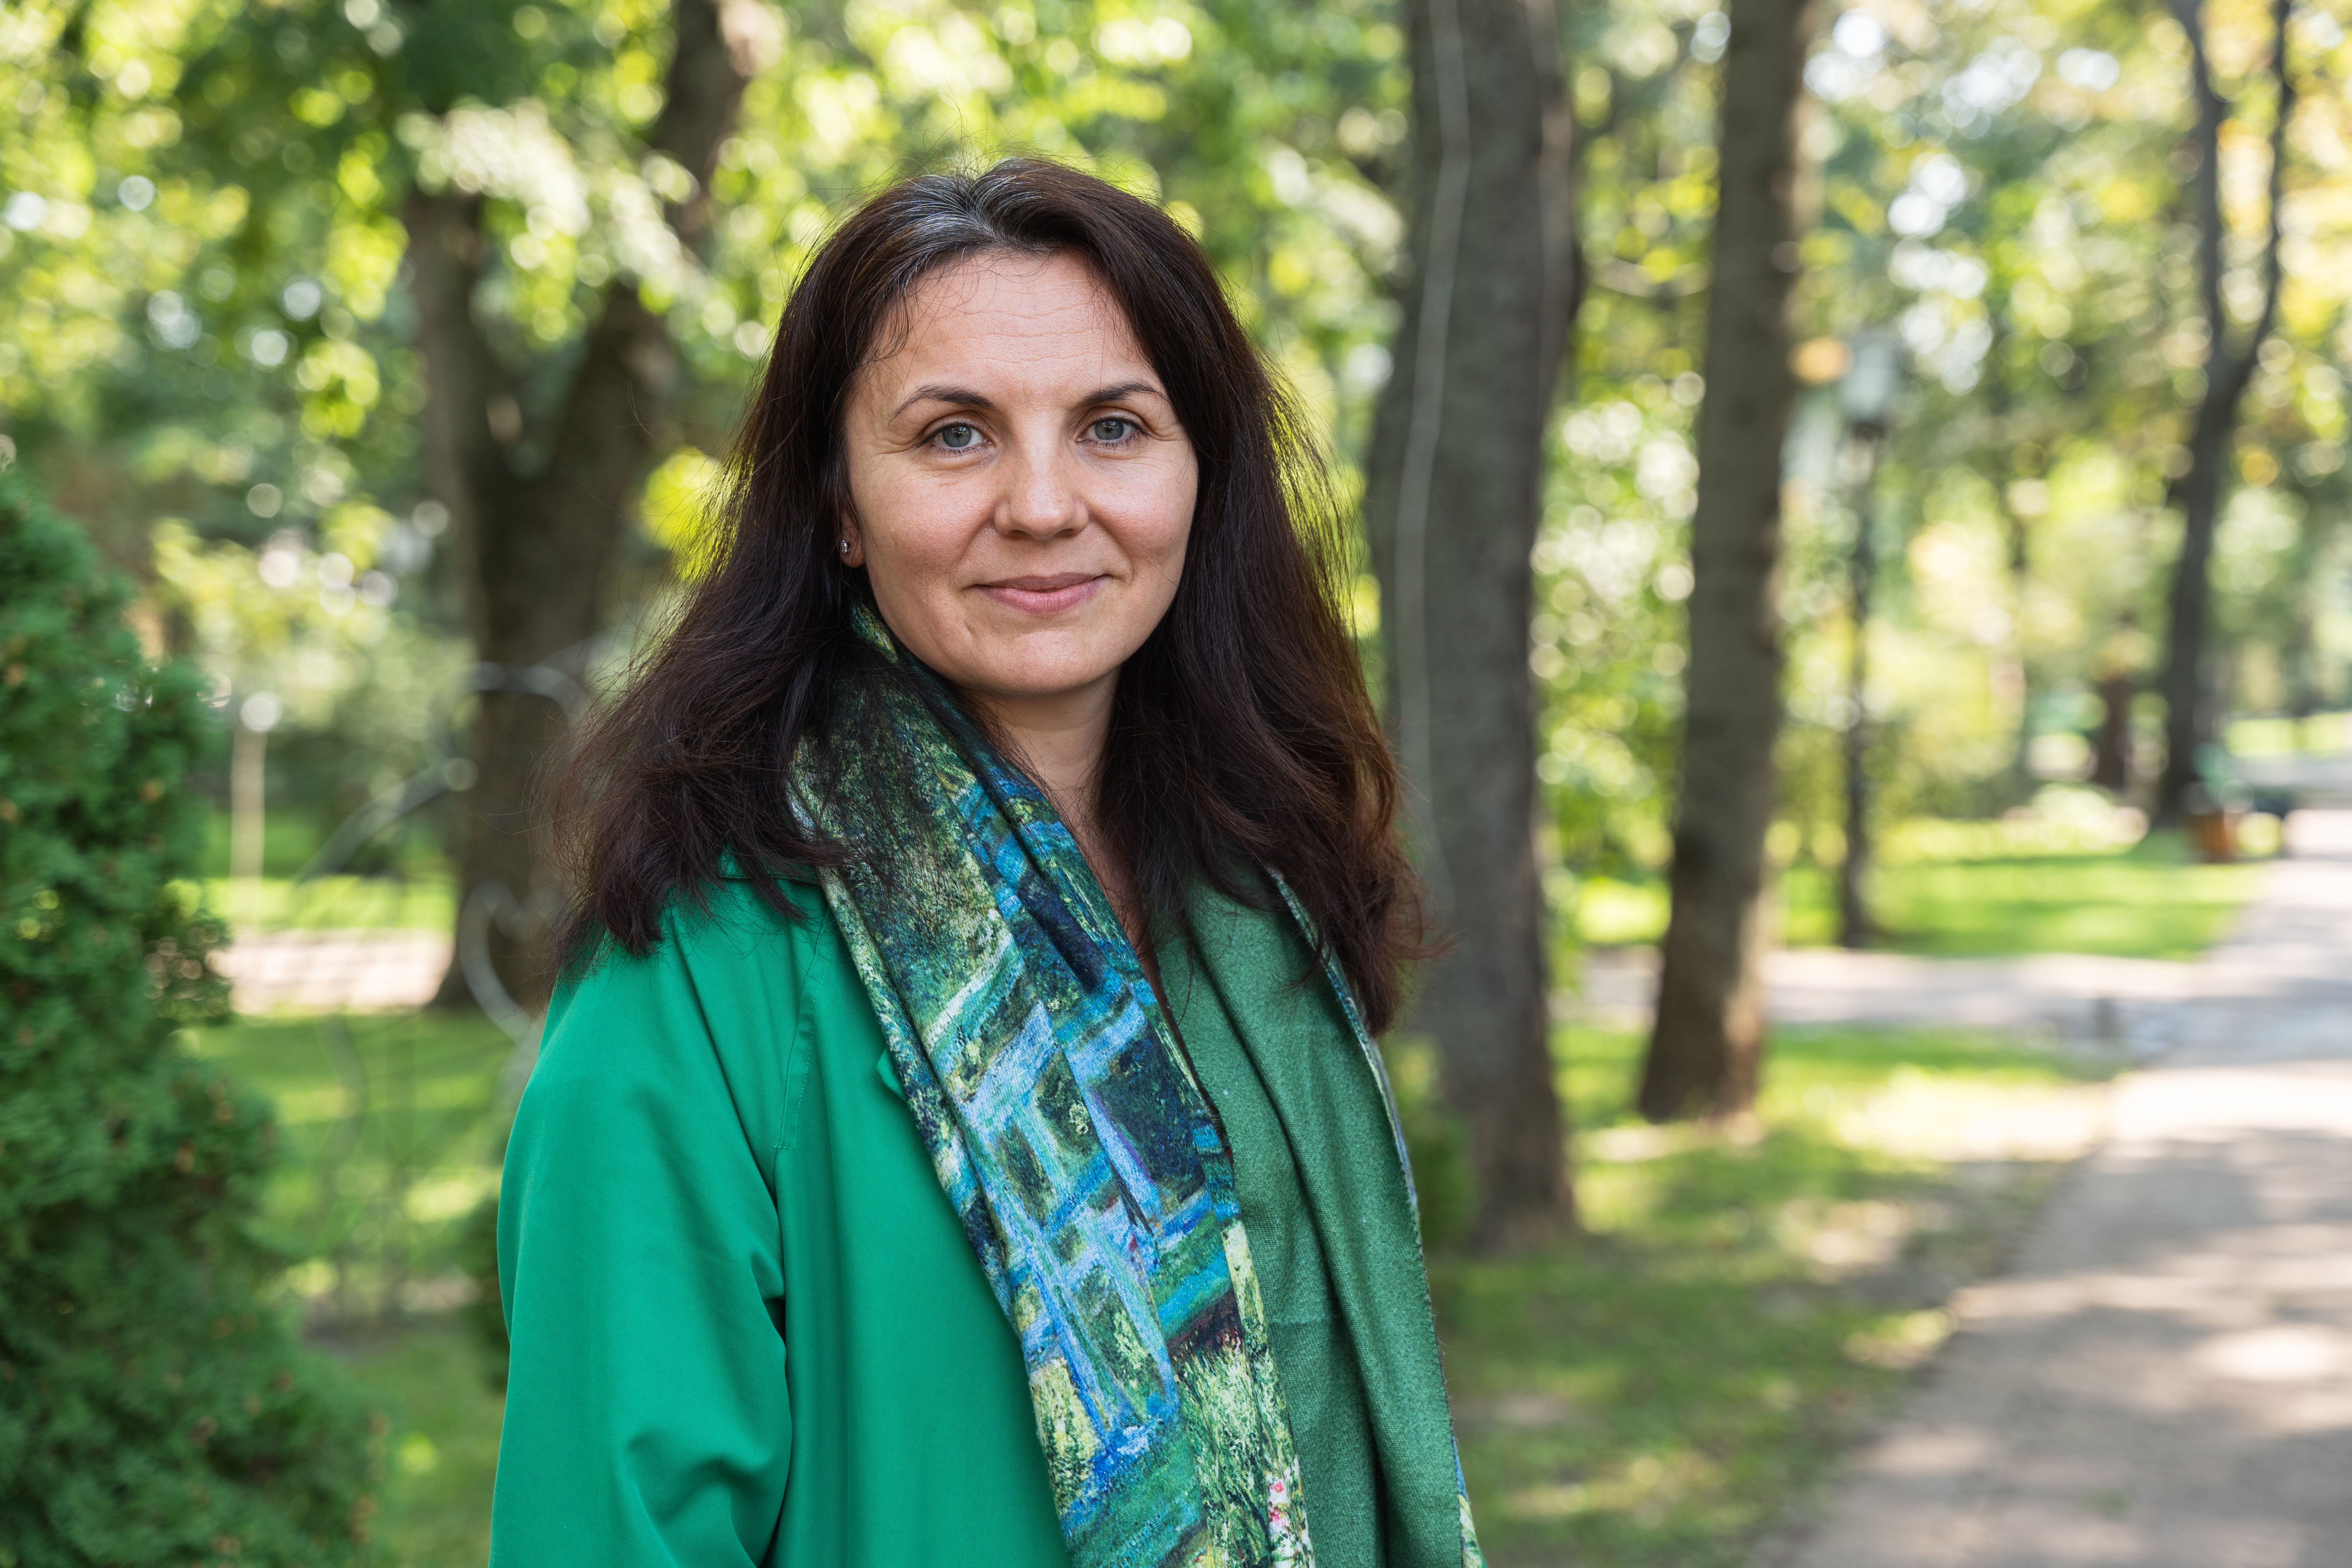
[[2196, 494], [538, 507], [522, 194], [1454, 500], [1707, 1048]]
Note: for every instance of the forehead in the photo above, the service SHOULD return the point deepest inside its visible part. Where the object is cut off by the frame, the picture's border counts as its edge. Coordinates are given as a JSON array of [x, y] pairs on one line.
[[1031, 319]]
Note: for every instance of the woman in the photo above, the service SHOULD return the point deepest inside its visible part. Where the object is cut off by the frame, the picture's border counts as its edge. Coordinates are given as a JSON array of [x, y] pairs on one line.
[[956, 1138]]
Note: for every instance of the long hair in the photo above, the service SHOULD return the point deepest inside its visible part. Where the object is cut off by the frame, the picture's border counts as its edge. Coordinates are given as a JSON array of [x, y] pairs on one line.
[[1241, 734]]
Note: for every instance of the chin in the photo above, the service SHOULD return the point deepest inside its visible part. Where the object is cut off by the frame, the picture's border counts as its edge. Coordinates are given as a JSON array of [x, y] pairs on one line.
[[1036, 680]]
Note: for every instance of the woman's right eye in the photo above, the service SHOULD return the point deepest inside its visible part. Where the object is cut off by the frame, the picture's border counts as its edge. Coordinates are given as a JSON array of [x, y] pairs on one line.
[[957, 437]]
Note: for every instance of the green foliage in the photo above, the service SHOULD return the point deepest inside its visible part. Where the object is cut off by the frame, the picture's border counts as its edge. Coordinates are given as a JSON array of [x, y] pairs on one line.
[[1997, 183], [207, 351], [153, 1407]]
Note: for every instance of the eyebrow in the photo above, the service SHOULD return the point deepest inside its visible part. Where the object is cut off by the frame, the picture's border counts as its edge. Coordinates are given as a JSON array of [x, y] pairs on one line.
[[964, 397]]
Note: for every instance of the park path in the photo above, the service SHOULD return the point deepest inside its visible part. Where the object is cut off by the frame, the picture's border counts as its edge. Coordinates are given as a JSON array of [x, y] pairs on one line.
[[2060, 995], [2163, 1377], [336, 971], [2124, 1003]]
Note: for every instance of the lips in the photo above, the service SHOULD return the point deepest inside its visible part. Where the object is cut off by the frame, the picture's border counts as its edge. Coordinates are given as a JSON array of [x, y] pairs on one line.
[[1044, 595]]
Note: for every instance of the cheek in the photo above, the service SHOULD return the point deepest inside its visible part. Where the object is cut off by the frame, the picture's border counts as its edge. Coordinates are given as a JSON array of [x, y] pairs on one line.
[[911, 532], [1163, 521]]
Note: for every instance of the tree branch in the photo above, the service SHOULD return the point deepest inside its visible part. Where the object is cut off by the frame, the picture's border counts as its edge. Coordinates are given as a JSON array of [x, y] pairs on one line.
[[2211, 112], [2282, 14], [626, 372], [2227, 370]]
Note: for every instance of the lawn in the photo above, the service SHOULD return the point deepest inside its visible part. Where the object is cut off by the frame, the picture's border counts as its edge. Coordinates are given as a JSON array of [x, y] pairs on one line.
[[390, 1136], [425, 902], [408, 887], [389, 1130], [1972, 890], [1673, 1387], [426, 1378], [1660, 1390]]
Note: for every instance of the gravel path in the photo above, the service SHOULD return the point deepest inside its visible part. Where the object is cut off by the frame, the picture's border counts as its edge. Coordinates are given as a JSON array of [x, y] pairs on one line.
[[334, 971], [2164, 1376], [2121, 1002]]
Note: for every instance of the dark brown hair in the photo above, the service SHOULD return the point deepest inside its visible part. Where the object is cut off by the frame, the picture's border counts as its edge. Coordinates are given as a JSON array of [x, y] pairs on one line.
[[1241, 733]]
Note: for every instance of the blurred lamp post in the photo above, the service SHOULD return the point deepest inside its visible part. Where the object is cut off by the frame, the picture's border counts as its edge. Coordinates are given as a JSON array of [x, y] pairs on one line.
[[1866, 395]]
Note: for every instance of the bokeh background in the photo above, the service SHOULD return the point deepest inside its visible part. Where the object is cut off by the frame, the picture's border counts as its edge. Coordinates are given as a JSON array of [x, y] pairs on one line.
[[305, 309]]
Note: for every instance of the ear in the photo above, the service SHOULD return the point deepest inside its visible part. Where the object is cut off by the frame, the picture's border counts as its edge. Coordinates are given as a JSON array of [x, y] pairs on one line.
[[849, 545]]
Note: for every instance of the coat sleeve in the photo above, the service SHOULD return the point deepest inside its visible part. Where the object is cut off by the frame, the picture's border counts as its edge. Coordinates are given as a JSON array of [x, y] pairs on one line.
[[647, 1420]]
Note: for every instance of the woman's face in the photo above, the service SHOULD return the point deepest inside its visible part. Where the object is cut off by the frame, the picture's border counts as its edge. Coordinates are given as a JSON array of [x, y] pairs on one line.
[[1022, 488]]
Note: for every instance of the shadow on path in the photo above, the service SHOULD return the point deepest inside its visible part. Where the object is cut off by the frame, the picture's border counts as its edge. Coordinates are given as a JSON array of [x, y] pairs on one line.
[[2165, 1377]]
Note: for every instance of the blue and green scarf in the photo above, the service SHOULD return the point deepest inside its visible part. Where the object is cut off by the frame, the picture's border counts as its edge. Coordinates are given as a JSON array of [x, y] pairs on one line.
[[1070, 1134]]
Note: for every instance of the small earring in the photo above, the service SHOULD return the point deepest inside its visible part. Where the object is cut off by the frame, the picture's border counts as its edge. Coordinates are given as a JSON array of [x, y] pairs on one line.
[[844, 547]]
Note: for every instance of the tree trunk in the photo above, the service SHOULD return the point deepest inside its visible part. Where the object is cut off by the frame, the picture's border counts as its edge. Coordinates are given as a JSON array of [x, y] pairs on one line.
[[1707, 1048], [1855, 926], [2021, 594], [2188, 716], [2017, 534], [2299, 643], [536, 513], [1454, 500], [2111, 749]]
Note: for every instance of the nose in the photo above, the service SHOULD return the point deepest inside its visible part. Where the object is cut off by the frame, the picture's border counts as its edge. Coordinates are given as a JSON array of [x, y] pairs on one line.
[[1040, 498]]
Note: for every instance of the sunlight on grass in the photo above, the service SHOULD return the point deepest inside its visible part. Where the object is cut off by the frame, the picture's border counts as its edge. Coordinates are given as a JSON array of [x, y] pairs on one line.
[[1980, 890], [442, 1446], [333, 903], [1660, 1390], [2324, 733], [389, 1140]]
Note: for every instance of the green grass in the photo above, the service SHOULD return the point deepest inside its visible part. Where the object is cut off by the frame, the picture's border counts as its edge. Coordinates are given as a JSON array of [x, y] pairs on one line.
[[1665, 1390], [407, 884], [391, 1142], [1658, 1392], [421, 903], [1983, 894], [2149, 901], [441, 1441], [2275, 737]]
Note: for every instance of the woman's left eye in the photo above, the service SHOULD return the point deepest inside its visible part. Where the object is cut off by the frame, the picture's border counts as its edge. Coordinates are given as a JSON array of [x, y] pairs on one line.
[[1112, 431]]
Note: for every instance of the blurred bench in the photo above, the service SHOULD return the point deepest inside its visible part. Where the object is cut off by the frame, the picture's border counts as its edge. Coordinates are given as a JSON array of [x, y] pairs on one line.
[[2269, 786]]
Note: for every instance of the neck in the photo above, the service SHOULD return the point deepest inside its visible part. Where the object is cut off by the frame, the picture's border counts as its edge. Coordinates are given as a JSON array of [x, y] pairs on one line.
[[1058, 741]]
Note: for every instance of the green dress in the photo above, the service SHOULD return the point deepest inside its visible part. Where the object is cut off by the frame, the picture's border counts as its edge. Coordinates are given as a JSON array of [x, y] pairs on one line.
[[748, 1329]]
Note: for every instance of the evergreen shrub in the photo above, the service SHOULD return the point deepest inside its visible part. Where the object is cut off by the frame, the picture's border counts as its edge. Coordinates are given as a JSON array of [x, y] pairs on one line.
[[155, 1408]]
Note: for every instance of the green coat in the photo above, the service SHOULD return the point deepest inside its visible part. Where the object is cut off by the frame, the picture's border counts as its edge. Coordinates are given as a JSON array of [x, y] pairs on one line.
[[747, 1327]]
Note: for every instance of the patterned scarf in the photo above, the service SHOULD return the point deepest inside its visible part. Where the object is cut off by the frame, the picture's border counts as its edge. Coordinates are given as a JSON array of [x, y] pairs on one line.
[[1070, 1134]]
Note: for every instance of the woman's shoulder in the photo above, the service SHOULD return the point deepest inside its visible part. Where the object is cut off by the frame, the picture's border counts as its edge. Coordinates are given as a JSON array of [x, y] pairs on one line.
[[730, 918], [731, 957], [717, 1011]]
